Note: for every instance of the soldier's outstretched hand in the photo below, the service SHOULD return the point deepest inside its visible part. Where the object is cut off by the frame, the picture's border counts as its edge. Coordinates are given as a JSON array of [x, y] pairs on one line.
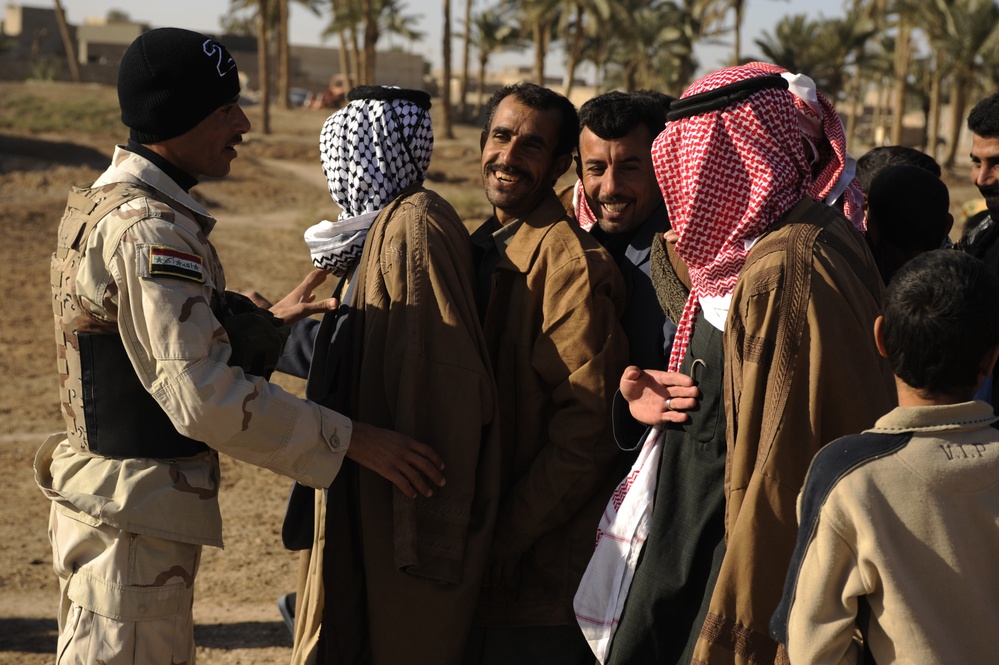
[[301, 301], [411, 466], [657, 397]]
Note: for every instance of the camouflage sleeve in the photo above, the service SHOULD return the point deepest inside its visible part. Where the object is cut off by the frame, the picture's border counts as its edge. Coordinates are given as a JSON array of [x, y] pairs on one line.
[[163, 273]]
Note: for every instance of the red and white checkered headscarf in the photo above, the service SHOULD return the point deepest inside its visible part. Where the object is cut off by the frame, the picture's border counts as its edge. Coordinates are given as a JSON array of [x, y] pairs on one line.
[[727, 176], [584, 216], [834, 171]]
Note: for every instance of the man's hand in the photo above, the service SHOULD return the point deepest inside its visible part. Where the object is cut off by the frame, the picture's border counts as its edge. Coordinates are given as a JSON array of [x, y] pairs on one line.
[[301, 302], [298, 304], [412, 467], [657, 397]]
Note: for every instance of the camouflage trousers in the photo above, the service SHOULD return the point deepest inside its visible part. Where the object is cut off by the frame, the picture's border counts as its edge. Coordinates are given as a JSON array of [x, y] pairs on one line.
[[125, 598]]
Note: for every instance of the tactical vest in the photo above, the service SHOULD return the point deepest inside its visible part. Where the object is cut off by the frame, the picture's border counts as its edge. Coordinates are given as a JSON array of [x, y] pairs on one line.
[[107, 410]]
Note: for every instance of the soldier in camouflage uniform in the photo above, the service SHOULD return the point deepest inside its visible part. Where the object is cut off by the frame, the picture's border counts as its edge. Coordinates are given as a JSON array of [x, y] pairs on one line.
[[156, 376]]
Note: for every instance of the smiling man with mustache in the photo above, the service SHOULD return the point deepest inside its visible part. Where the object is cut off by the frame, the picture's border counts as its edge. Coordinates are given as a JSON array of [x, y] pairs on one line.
[[619, 187], [549, 297], [980, 239], [981, 235]]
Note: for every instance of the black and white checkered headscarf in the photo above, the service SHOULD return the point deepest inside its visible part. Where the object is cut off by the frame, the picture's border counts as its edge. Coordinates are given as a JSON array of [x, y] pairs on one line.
[[377, 146], [373, 149]]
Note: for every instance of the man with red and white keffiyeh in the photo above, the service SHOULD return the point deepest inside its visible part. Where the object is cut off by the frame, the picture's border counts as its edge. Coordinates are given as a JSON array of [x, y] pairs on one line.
[[777, 334]]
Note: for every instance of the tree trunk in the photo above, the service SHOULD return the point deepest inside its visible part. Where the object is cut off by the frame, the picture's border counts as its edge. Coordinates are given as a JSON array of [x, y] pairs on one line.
[[345, 68], [856, 106], [630, 75], [263, 67], [446, 86], [601, 63], [539, 28], [933, 128], [901, 76], [348, 43], [738, 6], [370, 41], [357, 71], [463, 104], [859, 90], [67, 42], [284, 58], [574, 52], [882, 111], [483, 59], [958, 99]]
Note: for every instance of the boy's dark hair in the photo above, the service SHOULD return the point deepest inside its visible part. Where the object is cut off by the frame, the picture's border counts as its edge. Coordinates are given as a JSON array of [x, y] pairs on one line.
[[984, 118], [941, 316], [910, 208], [541, 99], [876, 160], [614, 114]]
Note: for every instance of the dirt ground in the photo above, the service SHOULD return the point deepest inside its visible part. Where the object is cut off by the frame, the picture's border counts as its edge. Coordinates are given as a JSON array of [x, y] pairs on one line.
[[275, 191]]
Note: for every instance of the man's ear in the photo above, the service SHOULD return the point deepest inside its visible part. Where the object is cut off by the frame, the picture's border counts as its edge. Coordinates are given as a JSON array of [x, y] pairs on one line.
[[879, 336], [988, 363], [482, 141], [561, 165], [579, 166]]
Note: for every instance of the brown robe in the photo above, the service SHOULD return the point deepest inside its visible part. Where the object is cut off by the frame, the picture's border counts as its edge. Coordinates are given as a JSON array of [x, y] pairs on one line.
[[801, 369], [421, 368]]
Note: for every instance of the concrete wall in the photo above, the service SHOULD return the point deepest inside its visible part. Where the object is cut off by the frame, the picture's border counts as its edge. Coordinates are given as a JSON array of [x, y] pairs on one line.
[[33, 30]]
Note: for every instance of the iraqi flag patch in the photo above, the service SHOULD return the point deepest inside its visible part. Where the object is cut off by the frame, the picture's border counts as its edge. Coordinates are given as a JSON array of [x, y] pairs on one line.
[[170, 262]]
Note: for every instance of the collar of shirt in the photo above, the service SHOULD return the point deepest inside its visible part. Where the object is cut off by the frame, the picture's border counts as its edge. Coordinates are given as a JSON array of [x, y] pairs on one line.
[[183, 180]]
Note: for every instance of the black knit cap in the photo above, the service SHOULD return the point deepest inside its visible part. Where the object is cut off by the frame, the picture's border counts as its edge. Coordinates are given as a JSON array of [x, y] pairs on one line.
[[171, 79]]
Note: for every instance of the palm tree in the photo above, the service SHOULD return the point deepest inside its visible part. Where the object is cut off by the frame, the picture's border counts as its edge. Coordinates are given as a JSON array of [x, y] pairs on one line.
[[283, 47], [871, 14], [284, 61], [540, 17], [372, 19], [265, 17], [446, 87], [903, 56], [465, 45], [792, 45], [739, 7], [263, 66], [971, 36], [343, 24], [823, 49], [491, 31], [581, 18], [654, 46], [67, 42]]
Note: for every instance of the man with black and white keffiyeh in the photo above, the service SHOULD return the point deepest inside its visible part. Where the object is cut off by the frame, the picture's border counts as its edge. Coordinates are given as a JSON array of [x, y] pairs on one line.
[[371, 150], [388, 579]]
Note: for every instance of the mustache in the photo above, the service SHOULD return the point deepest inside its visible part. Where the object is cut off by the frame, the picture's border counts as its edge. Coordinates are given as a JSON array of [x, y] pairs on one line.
[[611, 200], [508, 170]]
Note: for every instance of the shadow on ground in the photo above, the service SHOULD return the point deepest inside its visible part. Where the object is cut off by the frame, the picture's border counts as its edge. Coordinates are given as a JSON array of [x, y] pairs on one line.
[[243, 635], [36, 154], [40, 635], [29, 635]]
